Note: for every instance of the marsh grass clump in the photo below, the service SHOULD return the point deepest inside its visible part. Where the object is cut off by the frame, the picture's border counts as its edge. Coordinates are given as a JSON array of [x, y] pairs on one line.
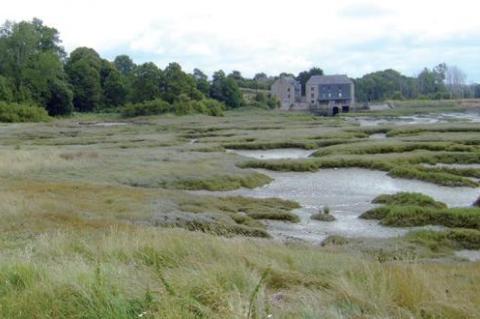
[[407, 209], [405, 198], [324, 215], [435, 177], [335, 240], [245, 208], [444, 240], [221, 183]]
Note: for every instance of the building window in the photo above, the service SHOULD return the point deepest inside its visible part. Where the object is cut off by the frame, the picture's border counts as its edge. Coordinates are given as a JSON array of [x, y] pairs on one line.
[[288, 89], [340, 94], [289, 96], [312, 95], [312, 88], [313, 101], [329, 94]]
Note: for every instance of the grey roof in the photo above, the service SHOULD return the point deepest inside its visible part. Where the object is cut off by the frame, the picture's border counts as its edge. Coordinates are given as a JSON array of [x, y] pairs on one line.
[[330, 79]]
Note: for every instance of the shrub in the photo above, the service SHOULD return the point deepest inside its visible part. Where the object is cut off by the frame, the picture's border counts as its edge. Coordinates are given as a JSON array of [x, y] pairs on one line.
[[265, 101], [13, 112], [182, 106], [153, 107]]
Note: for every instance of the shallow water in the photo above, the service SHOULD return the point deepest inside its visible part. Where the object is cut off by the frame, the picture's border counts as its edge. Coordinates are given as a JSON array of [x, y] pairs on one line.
[[378, 136], [348, 193], [471, 255], [285, 153], [470, 117]]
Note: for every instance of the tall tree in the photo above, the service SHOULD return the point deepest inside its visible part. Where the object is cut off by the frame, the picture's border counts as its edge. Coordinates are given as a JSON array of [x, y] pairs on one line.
[[146, 82], [177, 82], [226, 90], [304, 76], [455, 79], [201, 80], [124, 64], [31, 58], [83, 69], [114, 85]]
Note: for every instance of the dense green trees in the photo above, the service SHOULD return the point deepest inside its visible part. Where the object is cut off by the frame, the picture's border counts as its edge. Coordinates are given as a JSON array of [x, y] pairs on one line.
[[31, 66], [388, 84], [176, 82], [147, 80], [35, 70], [226, 89], [83, 69], [391, 84]]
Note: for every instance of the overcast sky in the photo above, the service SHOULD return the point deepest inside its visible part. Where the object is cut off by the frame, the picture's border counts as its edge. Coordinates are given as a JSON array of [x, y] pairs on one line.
[[272, 36]]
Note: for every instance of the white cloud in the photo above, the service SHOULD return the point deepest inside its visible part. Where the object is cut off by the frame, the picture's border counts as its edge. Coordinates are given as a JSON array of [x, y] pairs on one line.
[[271, 36]]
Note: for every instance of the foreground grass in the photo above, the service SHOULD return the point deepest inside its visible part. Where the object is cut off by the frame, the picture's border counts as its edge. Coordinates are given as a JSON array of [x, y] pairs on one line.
[[130, 272]]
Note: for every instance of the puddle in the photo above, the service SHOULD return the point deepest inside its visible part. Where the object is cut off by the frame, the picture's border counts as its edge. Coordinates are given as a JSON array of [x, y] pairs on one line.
[[104, 124], [378, 136], [470, 255], [348, 193], [285, 153]]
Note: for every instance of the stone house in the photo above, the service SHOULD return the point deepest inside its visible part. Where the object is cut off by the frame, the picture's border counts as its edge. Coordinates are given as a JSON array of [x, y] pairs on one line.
[[288, 91], [324, 94]]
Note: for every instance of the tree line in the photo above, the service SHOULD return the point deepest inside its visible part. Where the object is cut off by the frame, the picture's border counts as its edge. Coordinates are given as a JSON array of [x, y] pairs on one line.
[[440, 82], [35, 69]]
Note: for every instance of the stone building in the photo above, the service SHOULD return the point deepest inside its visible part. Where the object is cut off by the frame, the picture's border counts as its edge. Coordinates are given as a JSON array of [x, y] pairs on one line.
[[324, 94], [288, 91]]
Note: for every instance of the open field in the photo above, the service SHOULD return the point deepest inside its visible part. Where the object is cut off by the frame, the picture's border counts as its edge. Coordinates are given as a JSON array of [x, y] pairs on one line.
[[101, 220]]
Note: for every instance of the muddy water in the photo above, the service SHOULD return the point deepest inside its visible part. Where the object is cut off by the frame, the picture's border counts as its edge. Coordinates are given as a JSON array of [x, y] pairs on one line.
[[286, 153], [348, 193]]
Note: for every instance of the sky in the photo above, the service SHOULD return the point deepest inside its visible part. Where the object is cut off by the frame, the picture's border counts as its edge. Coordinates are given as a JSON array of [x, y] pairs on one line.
[[252, 36]]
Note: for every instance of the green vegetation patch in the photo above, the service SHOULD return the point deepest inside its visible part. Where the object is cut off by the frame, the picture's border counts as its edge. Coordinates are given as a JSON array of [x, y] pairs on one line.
[[244, 208], [219, 183], [450, 239], [410, 209], [13, 113], [405, 198]]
